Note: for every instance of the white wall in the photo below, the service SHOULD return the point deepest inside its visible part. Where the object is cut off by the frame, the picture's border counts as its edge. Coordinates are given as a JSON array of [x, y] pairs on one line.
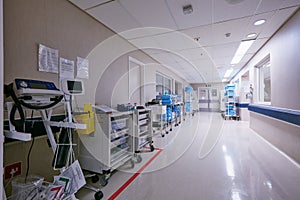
[[112, 81], [283, 49]]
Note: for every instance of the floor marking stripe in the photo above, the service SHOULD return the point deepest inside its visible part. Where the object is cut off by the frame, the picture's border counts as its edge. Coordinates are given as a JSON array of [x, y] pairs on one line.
[[131, 179]]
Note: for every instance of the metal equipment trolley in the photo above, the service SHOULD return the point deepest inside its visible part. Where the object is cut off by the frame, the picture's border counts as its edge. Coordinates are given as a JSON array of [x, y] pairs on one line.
[[110, 146], [143, 132], [231, 111]]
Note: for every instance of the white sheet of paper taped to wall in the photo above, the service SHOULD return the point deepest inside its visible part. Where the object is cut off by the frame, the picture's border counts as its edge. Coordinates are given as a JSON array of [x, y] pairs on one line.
[[66, 68], [48, 59], [82, 68]]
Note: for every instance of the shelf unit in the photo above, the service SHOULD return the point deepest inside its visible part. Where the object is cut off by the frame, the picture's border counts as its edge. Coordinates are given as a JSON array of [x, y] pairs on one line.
[[110, 146], [158, 113], [188, 98], [143, 132], [230, 111]]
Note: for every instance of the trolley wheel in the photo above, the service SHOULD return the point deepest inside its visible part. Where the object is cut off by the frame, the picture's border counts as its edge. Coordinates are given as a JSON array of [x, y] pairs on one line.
[[162, 135], [151, 147], [170, 129], [139, 159], [95, 178], [132, 163], [98, 195], [103, 181], [167, 132]]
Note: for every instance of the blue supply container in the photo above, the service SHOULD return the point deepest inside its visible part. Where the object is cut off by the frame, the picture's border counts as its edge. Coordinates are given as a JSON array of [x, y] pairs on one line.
[[188, 89]]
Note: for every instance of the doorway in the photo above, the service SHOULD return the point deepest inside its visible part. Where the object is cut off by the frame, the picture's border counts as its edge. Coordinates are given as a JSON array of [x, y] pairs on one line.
[[136, 78]]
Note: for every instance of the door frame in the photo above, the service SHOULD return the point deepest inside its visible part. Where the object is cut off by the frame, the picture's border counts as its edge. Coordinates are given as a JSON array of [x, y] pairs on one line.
[[142, 78]]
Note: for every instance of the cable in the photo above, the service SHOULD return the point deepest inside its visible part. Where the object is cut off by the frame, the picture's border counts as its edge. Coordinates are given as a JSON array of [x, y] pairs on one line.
[[30, 149]]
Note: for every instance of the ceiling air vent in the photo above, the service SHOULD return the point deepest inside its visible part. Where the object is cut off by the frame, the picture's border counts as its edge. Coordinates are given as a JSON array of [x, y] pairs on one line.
[[188, 9], [233, 2]]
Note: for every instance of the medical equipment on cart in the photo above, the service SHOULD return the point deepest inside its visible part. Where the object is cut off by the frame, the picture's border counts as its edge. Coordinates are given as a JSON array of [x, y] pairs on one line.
[[44, 96]]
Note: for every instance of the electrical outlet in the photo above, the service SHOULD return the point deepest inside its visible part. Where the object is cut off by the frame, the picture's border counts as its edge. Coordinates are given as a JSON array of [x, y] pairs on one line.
[[12, 170]]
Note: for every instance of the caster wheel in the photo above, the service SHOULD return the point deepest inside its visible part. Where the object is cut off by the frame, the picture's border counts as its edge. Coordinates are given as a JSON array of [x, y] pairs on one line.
[[98, 195], [162, 135], [131, 163], [151, 148], [170, 129], [95, 179], [103, 181], [167, 132], [139, 159]]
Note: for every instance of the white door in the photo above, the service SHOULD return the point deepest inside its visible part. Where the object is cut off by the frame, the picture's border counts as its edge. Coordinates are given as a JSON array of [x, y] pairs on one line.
[[136, 80], [203, 96]]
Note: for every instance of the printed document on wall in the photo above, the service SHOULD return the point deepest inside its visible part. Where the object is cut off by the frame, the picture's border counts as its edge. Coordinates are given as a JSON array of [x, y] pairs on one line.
[[66, 68], [48, 59], [82, 68]]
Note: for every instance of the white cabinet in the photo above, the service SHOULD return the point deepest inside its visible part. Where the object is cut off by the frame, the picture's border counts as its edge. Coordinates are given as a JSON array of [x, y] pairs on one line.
[[143, 132], [110, 146]]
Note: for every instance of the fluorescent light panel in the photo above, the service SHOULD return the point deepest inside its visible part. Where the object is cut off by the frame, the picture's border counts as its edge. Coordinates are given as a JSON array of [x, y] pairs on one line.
[[259, 22], [224, 80], [228, 73], [241, 51]]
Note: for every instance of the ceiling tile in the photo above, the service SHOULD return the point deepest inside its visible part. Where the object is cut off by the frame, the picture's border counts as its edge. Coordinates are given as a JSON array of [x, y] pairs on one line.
[[154, 13], [204, 33], [224, 11], [268, 5], [257, 45], [171, 41], [85, 4], [251, 28], [114, 16], [277, 20], [210, 21], [236, 34], [223, 50], [145, 43], [201, 14], [144, 32]]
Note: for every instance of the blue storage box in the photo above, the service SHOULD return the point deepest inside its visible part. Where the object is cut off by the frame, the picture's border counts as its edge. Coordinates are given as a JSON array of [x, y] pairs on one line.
[[229, 87], [188, 89]]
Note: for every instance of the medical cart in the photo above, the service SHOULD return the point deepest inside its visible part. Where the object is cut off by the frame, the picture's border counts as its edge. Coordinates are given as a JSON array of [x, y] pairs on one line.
[[188, 92], [143, 132], [158, 123], [110, 146], [230, 104]]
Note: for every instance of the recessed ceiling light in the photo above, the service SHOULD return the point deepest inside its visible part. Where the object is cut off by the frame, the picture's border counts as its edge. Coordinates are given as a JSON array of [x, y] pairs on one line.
[[251, 35], [259, 22]]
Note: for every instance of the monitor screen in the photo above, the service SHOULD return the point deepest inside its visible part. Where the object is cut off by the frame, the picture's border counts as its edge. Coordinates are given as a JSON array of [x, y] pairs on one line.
[[74, 86], [38, 85]]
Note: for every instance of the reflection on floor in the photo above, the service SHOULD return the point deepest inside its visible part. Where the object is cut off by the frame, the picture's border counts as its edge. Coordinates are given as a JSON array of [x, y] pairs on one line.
[[207, 158]]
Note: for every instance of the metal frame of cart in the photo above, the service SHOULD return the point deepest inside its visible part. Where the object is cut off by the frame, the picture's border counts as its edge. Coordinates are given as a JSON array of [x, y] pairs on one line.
[[143, 132]]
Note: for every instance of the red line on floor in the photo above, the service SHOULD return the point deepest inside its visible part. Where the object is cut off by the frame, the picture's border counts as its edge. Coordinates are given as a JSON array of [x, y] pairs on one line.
[[131, 179]]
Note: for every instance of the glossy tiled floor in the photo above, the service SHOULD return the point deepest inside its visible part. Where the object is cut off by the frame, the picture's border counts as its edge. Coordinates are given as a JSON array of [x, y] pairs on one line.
[[209, 158]]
